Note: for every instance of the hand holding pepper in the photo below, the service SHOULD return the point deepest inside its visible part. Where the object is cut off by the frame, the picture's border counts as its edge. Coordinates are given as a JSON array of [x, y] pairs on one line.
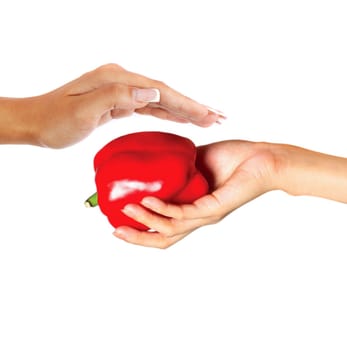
[[140, 164], [70, 113], [236, 172]]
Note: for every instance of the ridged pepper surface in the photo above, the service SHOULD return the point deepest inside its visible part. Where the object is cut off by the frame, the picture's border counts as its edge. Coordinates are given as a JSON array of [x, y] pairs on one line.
[[142, 164]]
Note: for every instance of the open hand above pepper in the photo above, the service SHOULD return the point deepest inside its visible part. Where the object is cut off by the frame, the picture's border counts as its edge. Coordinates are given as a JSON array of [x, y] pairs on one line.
[[70, 113]]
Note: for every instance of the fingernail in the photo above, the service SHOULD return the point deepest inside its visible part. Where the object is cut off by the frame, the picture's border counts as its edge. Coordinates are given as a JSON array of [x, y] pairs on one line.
[[149, 202], [147, 95], [216, 111], [129, 210], [220, 120], [120, 233]]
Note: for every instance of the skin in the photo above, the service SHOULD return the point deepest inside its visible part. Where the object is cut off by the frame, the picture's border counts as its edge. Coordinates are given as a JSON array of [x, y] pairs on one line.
[[238, 172], [70, 113]]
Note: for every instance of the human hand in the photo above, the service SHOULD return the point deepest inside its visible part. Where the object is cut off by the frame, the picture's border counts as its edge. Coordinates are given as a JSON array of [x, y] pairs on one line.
[[70, 113], [237, 171]]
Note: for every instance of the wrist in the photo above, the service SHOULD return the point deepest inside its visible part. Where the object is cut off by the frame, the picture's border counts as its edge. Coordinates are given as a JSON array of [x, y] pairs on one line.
[[305, 172], [18, 121]]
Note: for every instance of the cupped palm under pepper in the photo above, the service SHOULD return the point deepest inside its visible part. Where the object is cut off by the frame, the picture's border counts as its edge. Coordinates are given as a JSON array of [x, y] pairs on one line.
[[142, 164]]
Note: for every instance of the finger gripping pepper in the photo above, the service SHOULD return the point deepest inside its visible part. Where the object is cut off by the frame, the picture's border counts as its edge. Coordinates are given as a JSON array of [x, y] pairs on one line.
[[137, 165]]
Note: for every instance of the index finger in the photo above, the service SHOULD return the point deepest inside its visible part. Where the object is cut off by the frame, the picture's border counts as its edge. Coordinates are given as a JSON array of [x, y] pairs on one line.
[[204, 207], [175, 102], [171, 100]]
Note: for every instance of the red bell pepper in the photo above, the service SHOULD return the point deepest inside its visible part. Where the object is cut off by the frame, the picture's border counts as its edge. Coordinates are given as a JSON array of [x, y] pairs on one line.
[[142, 164]]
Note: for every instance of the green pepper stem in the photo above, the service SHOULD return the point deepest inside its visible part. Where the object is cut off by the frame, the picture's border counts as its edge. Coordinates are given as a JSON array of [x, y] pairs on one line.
[[92, 201]]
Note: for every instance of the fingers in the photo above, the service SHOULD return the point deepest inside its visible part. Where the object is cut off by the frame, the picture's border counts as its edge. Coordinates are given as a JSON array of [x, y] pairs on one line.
[[178, 222], [146, 239], [205, 207], [161, 112], [173, 222], [118, 99], [156, 222], [176, 106], [167, 231]]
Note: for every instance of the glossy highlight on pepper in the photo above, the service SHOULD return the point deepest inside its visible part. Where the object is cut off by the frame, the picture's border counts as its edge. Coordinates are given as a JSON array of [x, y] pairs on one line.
[[137, 165]]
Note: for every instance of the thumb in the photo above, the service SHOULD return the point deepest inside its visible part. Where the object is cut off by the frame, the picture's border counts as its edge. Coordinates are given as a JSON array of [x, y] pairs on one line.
[[118, 96]]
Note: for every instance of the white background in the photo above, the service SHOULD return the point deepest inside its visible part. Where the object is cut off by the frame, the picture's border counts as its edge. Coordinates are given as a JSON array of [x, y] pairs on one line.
[[272, 275]]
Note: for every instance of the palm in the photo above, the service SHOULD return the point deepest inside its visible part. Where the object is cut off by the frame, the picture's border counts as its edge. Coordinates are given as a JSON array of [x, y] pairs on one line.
[[236, 171]]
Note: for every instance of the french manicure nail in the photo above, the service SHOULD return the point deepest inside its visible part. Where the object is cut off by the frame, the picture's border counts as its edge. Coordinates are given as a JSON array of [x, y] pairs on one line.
[[147, 95], [149, 202], [216, 111], [120, 233], [129, 210]]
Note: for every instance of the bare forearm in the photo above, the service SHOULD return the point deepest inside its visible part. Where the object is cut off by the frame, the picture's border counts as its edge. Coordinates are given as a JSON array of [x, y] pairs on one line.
[[17, 121], [306, 172]]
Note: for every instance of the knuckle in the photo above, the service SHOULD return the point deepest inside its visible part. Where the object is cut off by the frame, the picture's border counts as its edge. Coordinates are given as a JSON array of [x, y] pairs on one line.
[[215, 219], [117, 90], [159, 83], [118, 113], [107, 69], [179, 215], [169, 231], [112, 89], [110, 67], [118, 96]]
